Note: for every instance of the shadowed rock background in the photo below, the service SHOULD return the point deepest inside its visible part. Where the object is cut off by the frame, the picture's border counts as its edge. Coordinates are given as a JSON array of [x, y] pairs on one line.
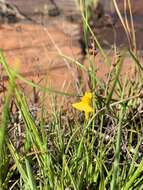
[[47, 11]]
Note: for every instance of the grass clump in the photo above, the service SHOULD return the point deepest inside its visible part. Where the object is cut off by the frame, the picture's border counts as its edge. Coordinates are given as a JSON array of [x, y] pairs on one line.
[[103, 151]]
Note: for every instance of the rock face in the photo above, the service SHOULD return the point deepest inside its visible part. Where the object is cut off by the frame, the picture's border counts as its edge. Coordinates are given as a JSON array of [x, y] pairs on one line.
[[38, 47], [9, 13], [41, 10], [41, 53]]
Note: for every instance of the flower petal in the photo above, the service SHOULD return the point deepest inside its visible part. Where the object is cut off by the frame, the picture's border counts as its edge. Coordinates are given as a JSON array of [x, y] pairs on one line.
[[87, 98], [88, 108], [79, 106], [85, 104]]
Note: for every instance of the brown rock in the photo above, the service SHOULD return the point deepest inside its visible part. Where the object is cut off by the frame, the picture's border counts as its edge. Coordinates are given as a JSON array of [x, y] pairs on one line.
[[39, 50]]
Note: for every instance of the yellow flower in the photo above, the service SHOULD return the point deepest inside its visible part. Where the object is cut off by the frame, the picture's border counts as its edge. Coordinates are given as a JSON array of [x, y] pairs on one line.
[[85, 104]]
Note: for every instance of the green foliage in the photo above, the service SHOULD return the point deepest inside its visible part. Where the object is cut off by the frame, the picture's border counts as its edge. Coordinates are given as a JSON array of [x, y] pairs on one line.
[[102, 153], [76, 155]]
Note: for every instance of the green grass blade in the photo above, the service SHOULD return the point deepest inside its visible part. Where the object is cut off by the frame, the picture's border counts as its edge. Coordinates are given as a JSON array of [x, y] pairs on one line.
[[31, 180], [18, 162], [4, 125], [117, 74]]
